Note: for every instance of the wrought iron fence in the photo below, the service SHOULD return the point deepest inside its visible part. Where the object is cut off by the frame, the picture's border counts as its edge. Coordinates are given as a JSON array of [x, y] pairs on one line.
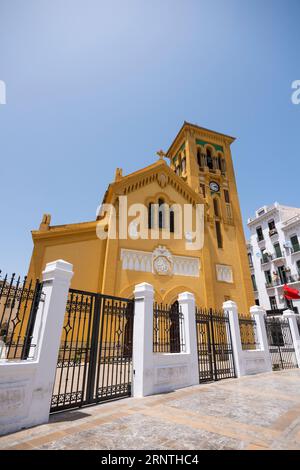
[[215, 353], [298, 323], [248, 329], [95, 355], [168, 331], [19, 300], [281, 344]]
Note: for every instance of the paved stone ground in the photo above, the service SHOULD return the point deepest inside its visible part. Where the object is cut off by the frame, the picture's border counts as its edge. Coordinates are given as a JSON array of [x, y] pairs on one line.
[[256, 412]]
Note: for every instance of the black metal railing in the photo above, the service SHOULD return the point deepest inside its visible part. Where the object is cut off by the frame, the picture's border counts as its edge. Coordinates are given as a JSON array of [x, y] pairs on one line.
[[95, 355], [19, 301], [168, 331], [298, 323], [279, 311], [248, 330], [289, 279], [281, 344], [215, 353]]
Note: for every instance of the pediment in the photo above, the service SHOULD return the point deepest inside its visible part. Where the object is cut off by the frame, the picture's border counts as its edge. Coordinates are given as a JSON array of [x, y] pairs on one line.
[[161, 173]]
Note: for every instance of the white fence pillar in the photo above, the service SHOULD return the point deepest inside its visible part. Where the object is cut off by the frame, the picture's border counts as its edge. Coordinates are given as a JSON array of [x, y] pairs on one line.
[[292, 317], [142, 357], [258, 315], [231, 308], [47, 330], [26, 386], [187, 306]]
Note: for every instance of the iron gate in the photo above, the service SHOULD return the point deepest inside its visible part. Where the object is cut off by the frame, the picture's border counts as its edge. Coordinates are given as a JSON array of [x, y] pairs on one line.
[[95, 355], [19, 303], [215, 354], [280, 341]]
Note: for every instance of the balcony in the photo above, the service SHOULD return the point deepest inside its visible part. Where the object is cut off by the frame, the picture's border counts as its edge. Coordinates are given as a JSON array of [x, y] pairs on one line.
[[273, 232], [265, 260], [261, 241], [291, 279], [278, 257]]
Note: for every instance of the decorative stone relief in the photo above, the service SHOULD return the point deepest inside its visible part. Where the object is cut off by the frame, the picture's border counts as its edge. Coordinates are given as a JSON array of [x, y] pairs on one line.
[[224, 273], [162, 180], [160, 262]]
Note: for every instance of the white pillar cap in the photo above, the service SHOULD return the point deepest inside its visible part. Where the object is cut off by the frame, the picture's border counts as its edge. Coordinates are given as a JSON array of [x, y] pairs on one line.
[[144, 288], [289, 313], [183, 296], [256, 309], [61, 269], [229, 304]]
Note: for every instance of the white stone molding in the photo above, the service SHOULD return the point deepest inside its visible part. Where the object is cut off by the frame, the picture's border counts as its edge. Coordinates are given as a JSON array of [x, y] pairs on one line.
[[160, 262], [224, 273]]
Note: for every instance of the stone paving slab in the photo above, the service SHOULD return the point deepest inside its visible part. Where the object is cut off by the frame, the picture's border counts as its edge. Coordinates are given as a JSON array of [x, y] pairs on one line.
[[257, 412]]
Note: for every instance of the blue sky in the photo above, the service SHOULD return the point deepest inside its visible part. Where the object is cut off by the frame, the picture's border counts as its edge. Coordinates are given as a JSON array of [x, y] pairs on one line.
[[92, 85]]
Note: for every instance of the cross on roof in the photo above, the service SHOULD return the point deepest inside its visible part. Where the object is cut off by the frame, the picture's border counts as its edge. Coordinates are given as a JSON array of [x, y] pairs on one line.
[[161, 154]]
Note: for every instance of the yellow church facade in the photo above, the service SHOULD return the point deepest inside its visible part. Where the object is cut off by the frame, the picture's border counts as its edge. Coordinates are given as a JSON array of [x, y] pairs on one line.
[[195, 173]]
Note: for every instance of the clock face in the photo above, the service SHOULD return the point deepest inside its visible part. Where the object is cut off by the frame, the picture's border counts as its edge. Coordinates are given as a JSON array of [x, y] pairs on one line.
[[214, 186]]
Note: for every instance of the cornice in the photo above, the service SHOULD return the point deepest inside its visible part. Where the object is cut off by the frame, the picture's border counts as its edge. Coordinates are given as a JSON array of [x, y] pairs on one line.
[[194, 130], [262, 217], [65, 230]]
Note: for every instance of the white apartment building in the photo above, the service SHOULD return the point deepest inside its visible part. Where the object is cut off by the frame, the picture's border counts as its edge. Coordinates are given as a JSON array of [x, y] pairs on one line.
[[274, 254]]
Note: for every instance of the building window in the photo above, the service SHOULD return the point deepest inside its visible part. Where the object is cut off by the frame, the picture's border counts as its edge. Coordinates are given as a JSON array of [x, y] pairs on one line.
[[264, 256], [226, 196], [199, 156], [295, 243], [268, 277], [209, 159], [202, 187], [161, 214], [256, 301], [273, 303], [282, 275], [150, 215], [216, 207], [298, 267], [260, 235], [172, 221], [219, 158], [278, 252], [272, 228], [219, 234], [271, 225], [250, 260], [183, 165], [253, 282]]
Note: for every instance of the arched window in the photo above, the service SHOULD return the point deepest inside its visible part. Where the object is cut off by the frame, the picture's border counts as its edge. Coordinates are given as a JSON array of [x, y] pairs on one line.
[[199, 156], [150, 215], [161, 215], [183, 165], [220, 161], [172, 221], [216, 207], [209, 159]]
